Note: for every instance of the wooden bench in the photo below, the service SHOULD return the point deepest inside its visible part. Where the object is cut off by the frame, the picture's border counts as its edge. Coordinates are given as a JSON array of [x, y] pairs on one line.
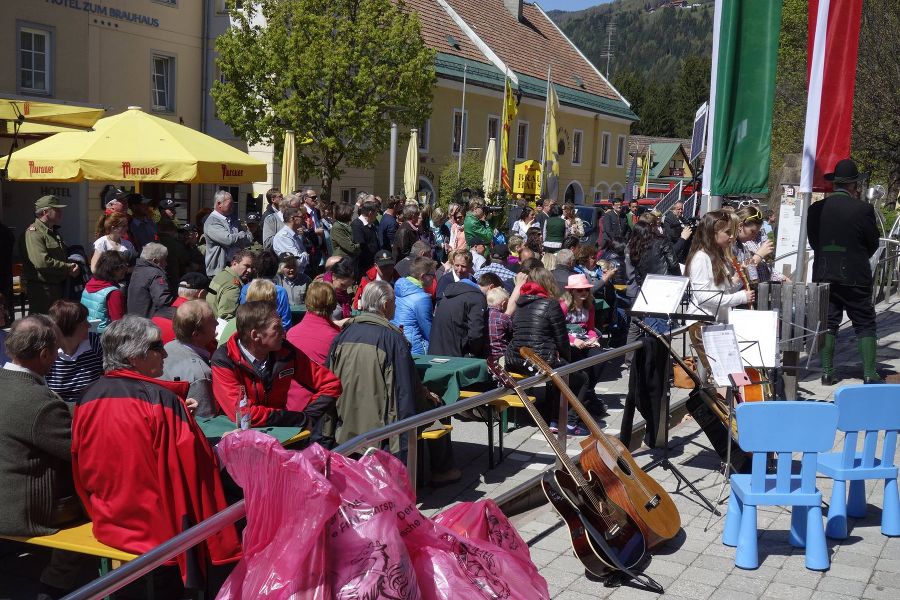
[[437, 431], [80, 539]]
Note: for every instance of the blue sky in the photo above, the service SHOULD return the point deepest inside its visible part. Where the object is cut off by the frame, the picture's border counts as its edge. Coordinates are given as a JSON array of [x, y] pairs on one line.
[[569, 4]]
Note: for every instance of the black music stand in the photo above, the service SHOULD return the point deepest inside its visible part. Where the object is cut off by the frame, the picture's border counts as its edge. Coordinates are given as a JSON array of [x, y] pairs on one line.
[[675, 317]]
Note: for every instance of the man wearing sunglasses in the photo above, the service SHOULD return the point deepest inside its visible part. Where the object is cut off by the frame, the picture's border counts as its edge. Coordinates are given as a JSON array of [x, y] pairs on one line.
[[843, 234]]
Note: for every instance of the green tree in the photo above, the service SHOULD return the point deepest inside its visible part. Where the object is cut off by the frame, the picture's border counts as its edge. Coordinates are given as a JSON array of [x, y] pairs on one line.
[[471, 176], [876, 104], [336, 71], [789, 106], [690, 91]]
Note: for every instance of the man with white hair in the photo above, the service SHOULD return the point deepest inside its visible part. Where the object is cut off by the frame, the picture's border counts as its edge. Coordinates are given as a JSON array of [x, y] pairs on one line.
[[148, 290], [223, 235], [191, 286]]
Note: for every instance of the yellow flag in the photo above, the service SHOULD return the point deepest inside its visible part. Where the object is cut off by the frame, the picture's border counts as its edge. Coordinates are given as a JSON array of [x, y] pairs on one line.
[[645, 176], [509, 113], [551, 142]]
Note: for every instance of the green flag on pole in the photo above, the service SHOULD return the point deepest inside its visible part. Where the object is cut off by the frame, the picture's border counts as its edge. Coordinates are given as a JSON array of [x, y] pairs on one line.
[[745, 52]]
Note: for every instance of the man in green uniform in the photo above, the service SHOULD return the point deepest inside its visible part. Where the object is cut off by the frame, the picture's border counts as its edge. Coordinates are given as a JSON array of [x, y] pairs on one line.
[[45, 265], [225, 288]]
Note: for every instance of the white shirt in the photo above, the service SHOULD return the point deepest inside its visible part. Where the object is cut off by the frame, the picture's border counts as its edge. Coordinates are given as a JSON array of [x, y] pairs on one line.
[[477, 261], [287, 240], [707, 296], [124, 247]]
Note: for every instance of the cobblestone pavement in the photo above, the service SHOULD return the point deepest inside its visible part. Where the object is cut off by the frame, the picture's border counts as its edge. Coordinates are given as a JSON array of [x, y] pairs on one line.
[[695, 564]]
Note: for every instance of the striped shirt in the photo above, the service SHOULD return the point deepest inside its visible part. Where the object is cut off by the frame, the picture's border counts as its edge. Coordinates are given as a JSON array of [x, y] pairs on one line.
[[71, 375]]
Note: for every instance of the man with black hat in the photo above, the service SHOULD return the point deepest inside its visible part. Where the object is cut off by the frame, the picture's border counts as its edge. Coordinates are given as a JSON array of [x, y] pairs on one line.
[[382, 270], [45, 263], [167, 212], [191, 286], [843, 234], [497, 266]]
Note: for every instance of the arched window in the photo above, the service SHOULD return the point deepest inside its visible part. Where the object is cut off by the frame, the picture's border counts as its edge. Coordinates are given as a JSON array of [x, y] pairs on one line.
[[574, 193]]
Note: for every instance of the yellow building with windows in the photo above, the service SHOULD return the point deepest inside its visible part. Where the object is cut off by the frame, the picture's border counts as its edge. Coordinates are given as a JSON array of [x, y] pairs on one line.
[[482, 41]]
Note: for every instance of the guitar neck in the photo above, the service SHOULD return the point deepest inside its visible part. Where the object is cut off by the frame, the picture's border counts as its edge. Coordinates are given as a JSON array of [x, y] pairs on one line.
[[560, 452], [574, 402]]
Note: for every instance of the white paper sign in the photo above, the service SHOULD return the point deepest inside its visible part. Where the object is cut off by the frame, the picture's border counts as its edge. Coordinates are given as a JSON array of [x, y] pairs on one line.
[[660, 295], [757, 336], [721, 347]]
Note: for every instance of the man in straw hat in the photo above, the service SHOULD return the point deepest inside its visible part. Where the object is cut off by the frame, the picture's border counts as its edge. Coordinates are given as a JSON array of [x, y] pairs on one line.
[[45, 262], [843, 235]]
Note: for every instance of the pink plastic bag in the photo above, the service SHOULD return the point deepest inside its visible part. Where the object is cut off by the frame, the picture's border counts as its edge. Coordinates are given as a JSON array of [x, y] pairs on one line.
[[288, 506], [449, 566], [484, 521], [366, 555]]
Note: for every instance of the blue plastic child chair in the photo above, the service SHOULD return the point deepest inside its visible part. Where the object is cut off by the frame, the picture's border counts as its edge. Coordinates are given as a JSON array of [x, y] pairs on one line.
[[864, 412], [783, 428]]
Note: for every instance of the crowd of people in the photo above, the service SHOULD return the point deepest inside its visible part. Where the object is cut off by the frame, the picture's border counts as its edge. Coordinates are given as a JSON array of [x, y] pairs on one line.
[[166, 322]]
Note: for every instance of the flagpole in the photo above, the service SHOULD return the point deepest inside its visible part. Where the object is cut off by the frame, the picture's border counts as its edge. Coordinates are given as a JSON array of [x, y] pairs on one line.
[[544, 136], [502, 133], [462, 127]]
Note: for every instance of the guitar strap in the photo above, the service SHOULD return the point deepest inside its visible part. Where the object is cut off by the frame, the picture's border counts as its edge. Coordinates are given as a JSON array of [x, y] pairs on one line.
[[642, 578]]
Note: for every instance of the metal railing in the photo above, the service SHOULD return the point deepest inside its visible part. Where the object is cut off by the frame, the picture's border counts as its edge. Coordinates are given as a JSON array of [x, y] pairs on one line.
[[147, 562]]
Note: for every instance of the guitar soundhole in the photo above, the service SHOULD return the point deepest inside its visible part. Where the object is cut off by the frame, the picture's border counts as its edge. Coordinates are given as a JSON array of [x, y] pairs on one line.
[[624, 466]]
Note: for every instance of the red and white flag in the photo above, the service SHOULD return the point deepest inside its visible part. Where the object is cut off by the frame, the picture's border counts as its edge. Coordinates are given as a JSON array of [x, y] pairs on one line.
[[833, 44]]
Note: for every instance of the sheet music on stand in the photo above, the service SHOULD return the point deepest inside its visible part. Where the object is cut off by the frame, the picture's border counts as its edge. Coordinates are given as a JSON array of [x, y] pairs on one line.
[[757, 334], [660, 295], [721, 347]]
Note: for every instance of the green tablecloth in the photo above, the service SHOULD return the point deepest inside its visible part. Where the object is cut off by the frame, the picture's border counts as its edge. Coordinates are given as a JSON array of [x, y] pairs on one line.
[[215, 427], [298, 311], [446, 379]]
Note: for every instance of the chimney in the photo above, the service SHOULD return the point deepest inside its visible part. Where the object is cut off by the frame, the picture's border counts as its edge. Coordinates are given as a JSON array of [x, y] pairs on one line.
[[515, 8]]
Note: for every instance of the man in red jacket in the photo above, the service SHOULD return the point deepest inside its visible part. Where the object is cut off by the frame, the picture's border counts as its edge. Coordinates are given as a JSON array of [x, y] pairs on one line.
[[259, 362], [382, 271]]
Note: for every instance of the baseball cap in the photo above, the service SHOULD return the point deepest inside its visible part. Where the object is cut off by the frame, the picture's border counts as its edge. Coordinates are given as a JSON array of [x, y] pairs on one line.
[[194, 281], [49, 201], [168, 203], [500, 251], [383, 258], [253, 217]]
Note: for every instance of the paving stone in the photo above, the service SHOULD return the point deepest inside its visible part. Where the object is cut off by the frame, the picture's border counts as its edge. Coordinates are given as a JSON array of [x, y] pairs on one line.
[[852, 573], [684, 557], [595, 589], [886, 578], [573, 595], [740, 582], [569, 563], [659, 566], [800, 577], [707, 576], [879, 592], [691, 589], [836, 585], [888, 564], [554, 544], [817, 595], [729, 594], [630, 593], [558, 578], [541, 557], [852, 559], [789, 592], [714, 563]]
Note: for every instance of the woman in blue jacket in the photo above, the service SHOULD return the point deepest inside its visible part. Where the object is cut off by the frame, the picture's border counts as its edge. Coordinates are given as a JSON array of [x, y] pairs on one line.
[[414, 307]]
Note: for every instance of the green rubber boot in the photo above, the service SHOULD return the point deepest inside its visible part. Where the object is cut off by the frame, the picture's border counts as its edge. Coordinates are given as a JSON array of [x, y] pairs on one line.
[[826, 355], [867, 351]]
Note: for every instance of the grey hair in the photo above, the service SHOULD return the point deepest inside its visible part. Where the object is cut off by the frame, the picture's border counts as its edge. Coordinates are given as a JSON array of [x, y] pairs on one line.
[[375, 297], [410, 211], [189, 293], [565, 258], [219, 197], [362, 197], [31, 334], [127, 338], [293, 199], [153, 252]]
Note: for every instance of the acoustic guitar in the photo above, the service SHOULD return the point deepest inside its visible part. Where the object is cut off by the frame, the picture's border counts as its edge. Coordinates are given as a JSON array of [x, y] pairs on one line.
[[625, 482], [604, 536]]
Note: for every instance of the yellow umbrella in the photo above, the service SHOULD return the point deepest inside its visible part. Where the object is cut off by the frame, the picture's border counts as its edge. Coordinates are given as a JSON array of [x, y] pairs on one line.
[[411, 172], [288, 164], [35, 116], [490, 168], [134, 146]]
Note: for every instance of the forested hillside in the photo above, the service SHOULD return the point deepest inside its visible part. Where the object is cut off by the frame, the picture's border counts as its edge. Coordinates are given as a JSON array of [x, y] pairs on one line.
[[660, 57]]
